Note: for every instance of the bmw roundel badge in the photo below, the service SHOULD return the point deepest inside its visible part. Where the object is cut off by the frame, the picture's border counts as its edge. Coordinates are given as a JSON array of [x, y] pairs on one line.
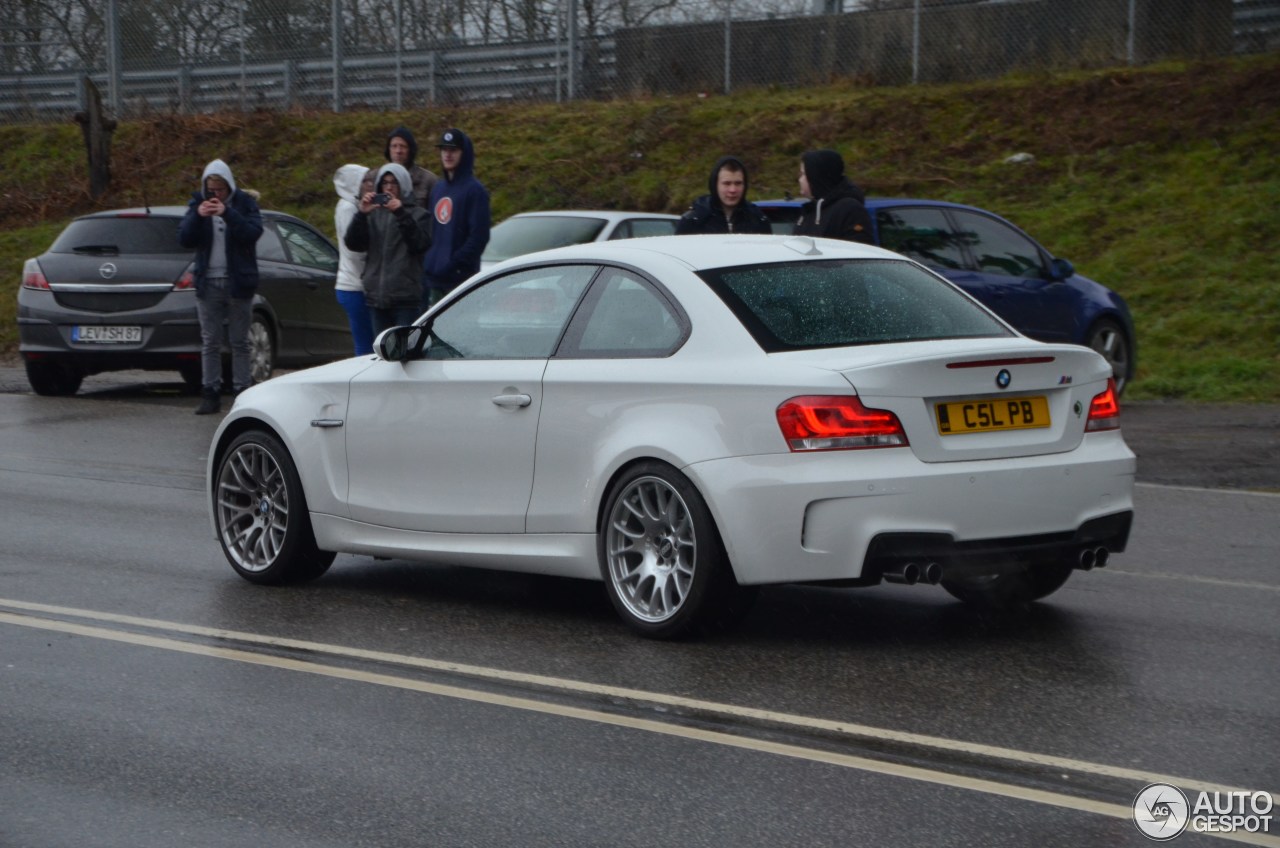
[[1004, 378]]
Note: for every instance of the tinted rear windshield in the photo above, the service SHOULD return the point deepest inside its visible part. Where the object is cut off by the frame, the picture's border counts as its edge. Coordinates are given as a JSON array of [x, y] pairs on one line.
[[120, 236], [843, 302], [518, 236]]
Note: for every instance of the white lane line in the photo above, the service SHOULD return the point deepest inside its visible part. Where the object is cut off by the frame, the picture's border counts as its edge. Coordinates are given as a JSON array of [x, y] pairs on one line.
[[1206, 490], [989, 787], [1191, 578], [714, 709]]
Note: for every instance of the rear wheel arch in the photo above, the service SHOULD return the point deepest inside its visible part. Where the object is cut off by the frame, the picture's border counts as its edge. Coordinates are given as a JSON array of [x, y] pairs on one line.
[[1108, 335], [661, 554]]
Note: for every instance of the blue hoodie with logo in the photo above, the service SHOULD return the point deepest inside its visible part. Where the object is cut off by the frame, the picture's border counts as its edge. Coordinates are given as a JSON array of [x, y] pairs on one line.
[[459, 207]]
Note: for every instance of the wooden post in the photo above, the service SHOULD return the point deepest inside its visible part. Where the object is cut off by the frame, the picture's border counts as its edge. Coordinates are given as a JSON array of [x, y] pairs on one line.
[[97, 129]]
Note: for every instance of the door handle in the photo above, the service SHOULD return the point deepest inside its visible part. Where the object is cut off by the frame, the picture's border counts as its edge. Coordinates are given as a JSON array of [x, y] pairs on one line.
[[512, 401]]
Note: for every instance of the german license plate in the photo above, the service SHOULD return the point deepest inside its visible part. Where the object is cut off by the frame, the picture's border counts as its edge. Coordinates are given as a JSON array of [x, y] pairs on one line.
[[97, 334], [980, 416]]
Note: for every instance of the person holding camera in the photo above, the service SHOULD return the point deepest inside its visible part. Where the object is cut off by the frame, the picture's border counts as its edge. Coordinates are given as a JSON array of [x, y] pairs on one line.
[[402, 149], [223, 224], [393, 232]]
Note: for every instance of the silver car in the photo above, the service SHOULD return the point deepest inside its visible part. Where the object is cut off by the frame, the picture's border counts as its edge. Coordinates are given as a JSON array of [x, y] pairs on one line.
[[528, 232]]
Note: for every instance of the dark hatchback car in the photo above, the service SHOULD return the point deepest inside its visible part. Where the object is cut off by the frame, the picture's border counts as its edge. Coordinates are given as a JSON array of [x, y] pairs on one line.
[[116, 292], [1041, 295]]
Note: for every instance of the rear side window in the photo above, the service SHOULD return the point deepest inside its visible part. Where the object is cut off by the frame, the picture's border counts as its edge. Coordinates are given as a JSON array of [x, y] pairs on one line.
[[624, 317], [120, 236], [840, 303], [922, 234], [307, 247]]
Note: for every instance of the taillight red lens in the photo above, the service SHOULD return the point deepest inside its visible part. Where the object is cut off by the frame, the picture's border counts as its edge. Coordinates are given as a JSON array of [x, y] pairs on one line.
[[1104, 410], [186, 281], [837, 422], [33, 277]]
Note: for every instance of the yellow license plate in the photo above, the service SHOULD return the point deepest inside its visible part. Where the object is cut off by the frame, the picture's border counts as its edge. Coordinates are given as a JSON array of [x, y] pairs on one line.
[[981, 416]]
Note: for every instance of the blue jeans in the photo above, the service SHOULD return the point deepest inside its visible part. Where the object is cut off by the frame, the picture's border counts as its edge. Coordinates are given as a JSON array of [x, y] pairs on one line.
[[214, 309], [358, 317]]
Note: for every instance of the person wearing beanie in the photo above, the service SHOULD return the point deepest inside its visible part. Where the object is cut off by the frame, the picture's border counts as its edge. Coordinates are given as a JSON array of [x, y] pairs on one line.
[[223, 225], [402, 150], [835, 209], [460, 214], [725, 209]]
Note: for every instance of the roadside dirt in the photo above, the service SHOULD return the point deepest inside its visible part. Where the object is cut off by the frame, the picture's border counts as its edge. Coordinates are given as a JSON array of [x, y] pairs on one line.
[[1178, 444]]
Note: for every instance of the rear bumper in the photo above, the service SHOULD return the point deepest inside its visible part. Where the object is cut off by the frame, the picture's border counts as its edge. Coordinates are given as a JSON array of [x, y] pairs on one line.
[[841, 516]]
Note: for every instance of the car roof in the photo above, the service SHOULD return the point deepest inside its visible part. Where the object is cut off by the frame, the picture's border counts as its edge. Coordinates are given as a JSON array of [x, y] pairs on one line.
[[875, 203], [607, 214], [164, 212], [700, 252]]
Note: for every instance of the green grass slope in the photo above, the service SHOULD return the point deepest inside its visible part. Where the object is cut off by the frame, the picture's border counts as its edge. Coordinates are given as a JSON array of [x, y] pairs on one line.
[[1161, 182]]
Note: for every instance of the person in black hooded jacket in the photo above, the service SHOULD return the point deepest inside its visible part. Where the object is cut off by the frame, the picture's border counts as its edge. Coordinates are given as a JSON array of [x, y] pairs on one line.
[[835, 209], [726, 208]]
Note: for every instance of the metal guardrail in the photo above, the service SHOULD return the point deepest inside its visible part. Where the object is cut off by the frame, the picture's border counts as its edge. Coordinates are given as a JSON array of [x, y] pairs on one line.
[[516, 71], [528, 71]]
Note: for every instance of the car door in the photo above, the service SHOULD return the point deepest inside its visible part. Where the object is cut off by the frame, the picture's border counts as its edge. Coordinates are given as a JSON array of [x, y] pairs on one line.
[[326, 333], [284, 290], [445, 443], [1009, 274]]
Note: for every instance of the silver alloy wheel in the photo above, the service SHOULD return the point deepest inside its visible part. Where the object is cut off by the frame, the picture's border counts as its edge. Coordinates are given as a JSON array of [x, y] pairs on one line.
[[1110, 341], [253, 507], [652, 549], [261, 354]]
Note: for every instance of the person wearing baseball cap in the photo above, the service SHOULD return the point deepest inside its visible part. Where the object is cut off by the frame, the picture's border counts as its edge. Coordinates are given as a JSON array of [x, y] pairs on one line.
[[459, 208]]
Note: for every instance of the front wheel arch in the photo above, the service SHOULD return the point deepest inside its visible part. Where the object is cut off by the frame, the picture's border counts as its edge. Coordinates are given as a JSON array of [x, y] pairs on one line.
[[260, 511]]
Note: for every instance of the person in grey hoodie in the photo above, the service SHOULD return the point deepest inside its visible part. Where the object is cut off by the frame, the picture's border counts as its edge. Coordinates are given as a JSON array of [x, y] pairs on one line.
[[223, 225], [350, 182], [394, 232]]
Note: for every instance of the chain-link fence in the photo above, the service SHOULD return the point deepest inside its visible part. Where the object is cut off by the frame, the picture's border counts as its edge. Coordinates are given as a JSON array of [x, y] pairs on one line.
[[183, 56]]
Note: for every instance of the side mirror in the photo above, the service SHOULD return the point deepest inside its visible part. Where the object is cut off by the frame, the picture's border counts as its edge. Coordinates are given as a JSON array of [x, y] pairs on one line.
[[400, 344], [1060, 269]]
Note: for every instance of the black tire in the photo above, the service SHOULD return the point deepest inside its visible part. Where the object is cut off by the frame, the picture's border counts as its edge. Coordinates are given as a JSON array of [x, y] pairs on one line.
[[664, 565], [53, 379], [260, 513], [1109, 339], [1008, 591]]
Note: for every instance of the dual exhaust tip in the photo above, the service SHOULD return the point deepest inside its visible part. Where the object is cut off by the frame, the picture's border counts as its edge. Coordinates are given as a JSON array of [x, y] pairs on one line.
[[910, 573], [1091, 558]]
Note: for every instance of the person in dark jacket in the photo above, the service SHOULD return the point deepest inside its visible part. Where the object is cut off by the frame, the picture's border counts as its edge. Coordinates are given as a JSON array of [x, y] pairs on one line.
[[402, 149], [460, 211], [725, 209], [394, 232], [835, 210], [223, 225]]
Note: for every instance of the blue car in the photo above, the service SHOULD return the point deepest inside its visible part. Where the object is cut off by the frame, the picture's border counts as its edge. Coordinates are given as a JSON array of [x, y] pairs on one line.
[[1041, 295]]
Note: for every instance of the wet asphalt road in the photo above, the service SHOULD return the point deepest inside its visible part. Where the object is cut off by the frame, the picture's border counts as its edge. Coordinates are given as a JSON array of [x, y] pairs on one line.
[[127, 724]]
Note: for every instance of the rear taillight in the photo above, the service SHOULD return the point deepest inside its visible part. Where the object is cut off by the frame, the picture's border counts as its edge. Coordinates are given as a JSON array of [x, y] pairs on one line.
[[33, 277], [837, 422], [186, 281], [1104, 410]]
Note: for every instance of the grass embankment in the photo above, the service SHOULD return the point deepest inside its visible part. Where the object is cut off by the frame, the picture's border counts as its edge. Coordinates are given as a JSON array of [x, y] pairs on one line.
[[1161, 182]]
